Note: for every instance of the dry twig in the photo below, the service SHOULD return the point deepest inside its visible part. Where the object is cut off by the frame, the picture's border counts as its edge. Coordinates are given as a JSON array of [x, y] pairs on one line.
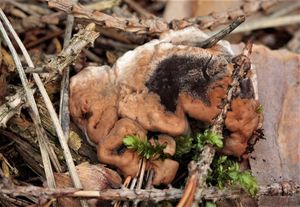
[[64, 116], [125, 194], [155, 26], [220, 35], [83, 38], [12, 106]]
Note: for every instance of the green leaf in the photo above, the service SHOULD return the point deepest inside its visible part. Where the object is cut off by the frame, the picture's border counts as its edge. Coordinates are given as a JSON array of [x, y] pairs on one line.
[[144, 148], [210, 137], [210, 204], [129, 141], [226, 171], [221, 159], [233, 175], [183, 145], [248, 182], [260, 109]]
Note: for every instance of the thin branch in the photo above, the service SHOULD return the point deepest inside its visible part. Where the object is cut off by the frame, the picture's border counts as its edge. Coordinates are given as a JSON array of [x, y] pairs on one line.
[[220, 35], [43, 39], [12, 106], [64, 113], [201, 168], [292, 6], [64, 116], [83, 38], [157, 25], [104, 20], [125, 194]]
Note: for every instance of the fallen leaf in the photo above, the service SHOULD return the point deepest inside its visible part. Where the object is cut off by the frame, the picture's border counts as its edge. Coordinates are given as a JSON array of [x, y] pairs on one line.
[[92, 177]]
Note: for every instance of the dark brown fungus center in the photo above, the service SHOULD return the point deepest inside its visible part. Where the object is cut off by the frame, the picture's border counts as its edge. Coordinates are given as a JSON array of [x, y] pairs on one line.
[[185, 73]]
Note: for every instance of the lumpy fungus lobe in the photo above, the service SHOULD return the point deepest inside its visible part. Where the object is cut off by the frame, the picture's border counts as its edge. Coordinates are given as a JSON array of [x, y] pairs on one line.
[[155, 88]]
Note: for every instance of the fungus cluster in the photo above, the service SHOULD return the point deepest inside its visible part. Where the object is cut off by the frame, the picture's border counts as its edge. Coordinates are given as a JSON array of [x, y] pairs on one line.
[[242, 121], [155, 88]]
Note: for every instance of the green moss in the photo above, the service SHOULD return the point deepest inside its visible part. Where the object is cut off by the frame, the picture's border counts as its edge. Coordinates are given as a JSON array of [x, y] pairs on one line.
[[226, 171], [144, 148]]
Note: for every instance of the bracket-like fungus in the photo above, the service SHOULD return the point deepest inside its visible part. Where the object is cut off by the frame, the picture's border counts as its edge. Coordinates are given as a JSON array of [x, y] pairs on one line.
[[242, 121], [152, 88], [169, 142], [93, 106], [164, 170], [112, 151]]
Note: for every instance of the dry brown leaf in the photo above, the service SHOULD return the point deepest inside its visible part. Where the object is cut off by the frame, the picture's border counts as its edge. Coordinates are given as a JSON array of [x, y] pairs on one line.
[[93, 177]]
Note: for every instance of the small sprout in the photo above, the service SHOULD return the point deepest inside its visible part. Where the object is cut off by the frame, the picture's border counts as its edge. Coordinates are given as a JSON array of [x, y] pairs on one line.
[[247, 182], [227, 171], [183, 145], [186, 144], [260, 109], [210, 204], [208, 137], [144, 148]]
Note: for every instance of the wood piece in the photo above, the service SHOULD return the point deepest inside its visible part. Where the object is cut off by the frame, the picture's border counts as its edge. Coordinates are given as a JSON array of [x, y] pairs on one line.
[[64, 114], [220, 35], [154, 26], [83, 38], [11, 107], [211, 193]]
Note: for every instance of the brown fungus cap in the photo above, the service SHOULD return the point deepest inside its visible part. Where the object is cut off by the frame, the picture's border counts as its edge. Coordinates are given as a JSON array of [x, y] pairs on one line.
[[202, 111], [242, 121], [158, 89], [93, 105], [112, 151], [164, 170], [155, 85], [169, 142]]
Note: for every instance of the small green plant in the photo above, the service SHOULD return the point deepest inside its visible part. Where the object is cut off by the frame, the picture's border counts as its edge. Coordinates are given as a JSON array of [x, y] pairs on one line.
[[260, 109], [144, 148], [208, 137], [227, 171], [210, 204], [184, 145]]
